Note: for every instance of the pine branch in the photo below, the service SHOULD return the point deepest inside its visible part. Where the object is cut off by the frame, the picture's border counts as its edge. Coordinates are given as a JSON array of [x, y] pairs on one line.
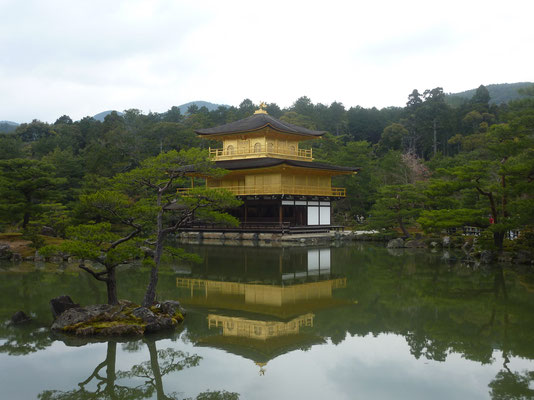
[[96, 275], [147, 182], [126, 238]]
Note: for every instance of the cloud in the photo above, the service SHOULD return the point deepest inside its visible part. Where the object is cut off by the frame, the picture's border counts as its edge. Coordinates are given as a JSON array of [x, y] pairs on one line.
[[420, 44], [86, 56]]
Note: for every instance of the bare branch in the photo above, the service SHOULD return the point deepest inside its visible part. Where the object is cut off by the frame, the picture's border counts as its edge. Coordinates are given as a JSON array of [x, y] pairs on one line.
[[166, 186], [482, 192], [489, 195], [96, 275], [126, 238], [186, 217], [147, 183], [126, 221]]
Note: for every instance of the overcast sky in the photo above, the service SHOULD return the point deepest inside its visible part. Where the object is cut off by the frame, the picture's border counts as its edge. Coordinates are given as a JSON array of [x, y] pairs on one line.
[[83, 57]]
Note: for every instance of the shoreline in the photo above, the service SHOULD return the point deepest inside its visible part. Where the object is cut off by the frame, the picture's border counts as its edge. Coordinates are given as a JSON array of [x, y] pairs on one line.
[[463, 244]]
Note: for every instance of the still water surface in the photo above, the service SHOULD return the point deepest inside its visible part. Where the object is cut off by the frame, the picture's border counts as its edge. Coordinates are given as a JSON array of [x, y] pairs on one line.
[[353, 322]]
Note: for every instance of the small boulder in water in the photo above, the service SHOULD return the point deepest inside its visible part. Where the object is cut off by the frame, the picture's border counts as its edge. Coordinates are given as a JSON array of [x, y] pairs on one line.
[[395, 243], [5, 252], [61, 304], [20, 317]]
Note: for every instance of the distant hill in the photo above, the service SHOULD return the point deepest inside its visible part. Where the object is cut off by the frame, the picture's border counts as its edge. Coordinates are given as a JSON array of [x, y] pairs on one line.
[[8, 126], [183, 109], [210, 106], [100, 116], [499, 93]]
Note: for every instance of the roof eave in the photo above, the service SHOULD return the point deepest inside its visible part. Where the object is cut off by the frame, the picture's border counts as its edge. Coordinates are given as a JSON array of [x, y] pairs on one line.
[[310, 135]]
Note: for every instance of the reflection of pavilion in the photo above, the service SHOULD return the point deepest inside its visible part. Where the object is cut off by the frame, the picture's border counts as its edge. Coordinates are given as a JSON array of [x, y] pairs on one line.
[[261, 313], [282, 301], [259, 330], [260, 340], [279, 282]]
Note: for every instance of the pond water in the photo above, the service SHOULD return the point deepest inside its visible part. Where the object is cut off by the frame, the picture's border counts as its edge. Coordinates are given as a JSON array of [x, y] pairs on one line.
[[351, 322]]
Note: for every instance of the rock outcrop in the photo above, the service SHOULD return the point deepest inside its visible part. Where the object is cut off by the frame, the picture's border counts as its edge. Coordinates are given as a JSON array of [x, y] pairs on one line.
[[125, 318], [61, 304], [153, 322], [5, 252]]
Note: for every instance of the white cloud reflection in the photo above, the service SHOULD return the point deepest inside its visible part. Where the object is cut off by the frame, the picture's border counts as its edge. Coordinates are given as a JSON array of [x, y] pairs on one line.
[[369, 367]]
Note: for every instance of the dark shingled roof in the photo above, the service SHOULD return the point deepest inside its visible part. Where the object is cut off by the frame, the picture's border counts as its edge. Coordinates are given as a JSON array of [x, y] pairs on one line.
[[256, 122], [266, 162], [260, 351]]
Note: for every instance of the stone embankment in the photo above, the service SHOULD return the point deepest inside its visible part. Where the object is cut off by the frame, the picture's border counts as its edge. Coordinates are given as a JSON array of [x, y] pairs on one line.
[[272, 239], [470, 252]]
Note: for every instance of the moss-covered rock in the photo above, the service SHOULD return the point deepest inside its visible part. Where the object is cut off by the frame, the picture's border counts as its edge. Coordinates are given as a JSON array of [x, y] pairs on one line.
[[125, 318]]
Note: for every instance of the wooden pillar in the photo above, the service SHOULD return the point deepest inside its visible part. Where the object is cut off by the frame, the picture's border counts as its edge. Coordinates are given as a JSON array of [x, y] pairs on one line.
[[281, 213], [246, 211]]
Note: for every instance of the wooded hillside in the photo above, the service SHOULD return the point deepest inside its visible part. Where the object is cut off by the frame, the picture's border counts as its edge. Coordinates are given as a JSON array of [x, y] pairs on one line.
[[426, 165]]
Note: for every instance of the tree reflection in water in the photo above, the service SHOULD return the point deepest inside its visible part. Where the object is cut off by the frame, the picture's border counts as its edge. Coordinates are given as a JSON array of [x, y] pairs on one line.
[[161, 363], [512, 385], [507, 384], [23, 340]]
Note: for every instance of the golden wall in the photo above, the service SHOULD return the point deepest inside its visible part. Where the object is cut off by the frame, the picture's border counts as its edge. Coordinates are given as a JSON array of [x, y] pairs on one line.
[[259, 144], [258, 180], [263, 143]]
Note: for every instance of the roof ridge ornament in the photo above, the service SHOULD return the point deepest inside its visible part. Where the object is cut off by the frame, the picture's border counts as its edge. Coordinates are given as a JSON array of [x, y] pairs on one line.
[[261, 110]]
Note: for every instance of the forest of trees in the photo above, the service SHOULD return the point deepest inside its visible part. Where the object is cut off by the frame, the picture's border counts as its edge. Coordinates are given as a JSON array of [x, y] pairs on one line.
[[427, 166]]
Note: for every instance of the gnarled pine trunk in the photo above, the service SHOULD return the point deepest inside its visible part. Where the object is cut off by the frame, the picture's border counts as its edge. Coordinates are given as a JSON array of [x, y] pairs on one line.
[[150, 294], [111, 284]]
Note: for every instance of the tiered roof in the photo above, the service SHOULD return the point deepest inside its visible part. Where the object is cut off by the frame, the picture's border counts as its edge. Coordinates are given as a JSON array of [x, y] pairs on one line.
[[256, 122], [266, 162]]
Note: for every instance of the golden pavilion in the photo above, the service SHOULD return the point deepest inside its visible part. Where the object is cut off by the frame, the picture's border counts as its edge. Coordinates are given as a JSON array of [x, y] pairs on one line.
[[278, 181]]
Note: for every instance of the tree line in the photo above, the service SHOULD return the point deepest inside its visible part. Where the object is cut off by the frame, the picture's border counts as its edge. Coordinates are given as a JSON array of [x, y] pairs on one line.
[[426, 166]]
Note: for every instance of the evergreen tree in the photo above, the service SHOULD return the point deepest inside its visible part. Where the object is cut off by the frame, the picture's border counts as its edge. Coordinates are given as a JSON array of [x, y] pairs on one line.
[[25, 186]]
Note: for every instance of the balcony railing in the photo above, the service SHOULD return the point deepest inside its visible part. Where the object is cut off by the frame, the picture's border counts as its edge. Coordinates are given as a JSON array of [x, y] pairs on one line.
[[298, 190], [261, 151]]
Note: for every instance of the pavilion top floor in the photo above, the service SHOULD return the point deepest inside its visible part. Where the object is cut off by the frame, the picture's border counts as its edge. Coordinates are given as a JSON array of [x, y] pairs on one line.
[[260, 135]]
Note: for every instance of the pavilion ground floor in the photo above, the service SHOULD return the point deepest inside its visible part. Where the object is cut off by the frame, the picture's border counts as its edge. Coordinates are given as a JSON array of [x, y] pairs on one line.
[[279, 213]]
